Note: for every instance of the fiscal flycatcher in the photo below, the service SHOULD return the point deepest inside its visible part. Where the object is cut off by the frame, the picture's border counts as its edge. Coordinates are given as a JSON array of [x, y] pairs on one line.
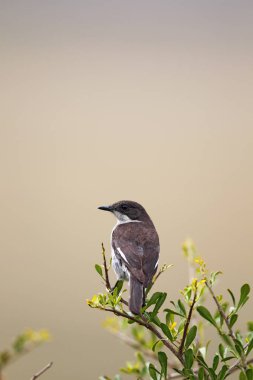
[[135, 249]]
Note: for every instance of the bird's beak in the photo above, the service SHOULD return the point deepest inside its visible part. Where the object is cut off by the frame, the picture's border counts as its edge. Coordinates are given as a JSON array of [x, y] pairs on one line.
[[105, 208]]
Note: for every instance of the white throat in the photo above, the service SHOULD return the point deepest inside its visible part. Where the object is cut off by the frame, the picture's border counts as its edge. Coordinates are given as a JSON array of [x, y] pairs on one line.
[[121, 219]]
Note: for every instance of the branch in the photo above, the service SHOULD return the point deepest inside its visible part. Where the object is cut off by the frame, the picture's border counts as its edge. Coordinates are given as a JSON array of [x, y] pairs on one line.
[[233, 369], [181, 347], [43, 370], [150, 327]]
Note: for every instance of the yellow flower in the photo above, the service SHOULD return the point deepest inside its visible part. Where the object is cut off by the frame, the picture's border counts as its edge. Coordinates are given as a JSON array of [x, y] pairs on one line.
[[194, 283], [93, 302], [37, 336], [172, 325], [45, 335], [199, 260]]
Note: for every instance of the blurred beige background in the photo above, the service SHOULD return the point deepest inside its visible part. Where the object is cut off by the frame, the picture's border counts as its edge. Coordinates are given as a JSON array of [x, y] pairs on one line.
[[106, 100]]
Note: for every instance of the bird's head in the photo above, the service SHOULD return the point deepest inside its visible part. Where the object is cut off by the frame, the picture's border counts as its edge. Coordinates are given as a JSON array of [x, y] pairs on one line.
[[126, 211]]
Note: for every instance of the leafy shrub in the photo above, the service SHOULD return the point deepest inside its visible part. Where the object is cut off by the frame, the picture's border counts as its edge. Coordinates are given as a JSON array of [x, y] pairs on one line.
[[169, 340]]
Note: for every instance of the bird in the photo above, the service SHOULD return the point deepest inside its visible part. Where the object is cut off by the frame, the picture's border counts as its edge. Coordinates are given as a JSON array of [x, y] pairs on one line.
[[135, 249]]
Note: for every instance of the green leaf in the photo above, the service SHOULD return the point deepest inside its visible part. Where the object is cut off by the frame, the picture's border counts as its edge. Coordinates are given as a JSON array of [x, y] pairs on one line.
[[178, 371], [163, 360], [228, 358], [201, 373], [223, 372], [249, 374], [250, 346], [242, 376], [211, 373], [169, 318], [118, 287], [19, 343], [232, 296], [215, 362], [221, 350], [202, 361], [239, 347], [181, 307], [188, 293], [181, 326], [170, 311], [227, 340], [233, 319], [250, 325], [153, 371], [5, 357], [154, 345], [99, 270], [156, 320], [153, 299], [189, 358], [191, 336], [188, 374], [158, 304], [245, 289], [206, 314], [213, 276], [166, 331]]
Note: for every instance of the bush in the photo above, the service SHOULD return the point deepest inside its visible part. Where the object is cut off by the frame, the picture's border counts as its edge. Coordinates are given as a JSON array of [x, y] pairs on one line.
[[169, 340]]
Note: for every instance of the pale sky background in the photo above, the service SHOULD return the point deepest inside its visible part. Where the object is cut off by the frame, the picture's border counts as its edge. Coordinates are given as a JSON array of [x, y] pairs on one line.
[[107, 100]]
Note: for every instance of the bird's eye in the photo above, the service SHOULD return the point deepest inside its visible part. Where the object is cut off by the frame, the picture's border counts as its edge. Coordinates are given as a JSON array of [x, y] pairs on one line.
[[124, 207]]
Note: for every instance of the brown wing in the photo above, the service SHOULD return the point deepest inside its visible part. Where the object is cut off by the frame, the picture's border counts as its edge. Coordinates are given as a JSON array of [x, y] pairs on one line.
[[137, 246]]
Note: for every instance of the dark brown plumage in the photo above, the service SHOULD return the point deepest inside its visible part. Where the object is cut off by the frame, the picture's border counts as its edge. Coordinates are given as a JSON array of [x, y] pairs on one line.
[[135, 249]]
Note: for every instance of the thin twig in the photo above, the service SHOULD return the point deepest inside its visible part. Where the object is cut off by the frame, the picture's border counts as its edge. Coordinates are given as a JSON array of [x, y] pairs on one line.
[[195, 317], [124, 301], [181, 347], [235, 367], [221, 311], [137, 346], [107, 282], [43, 370]]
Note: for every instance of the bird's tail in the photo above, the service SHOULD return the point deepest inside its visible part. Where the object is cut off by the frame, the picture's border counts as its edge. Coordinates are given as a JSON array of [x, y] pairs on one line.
[[136, 296]]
